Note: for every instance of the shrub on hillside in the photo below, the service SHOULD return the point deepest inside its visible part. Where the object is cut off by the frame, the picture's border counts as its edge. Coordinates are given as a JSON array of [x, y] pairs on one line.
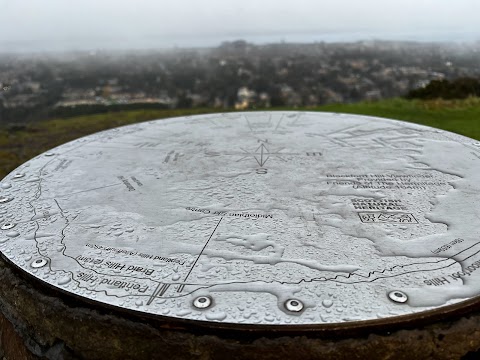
[[461, 88]]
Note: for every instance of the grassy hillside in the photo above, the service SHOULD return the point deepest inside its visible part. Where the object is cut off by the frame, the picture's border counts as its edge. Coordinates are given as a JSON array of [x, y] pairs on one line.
[[18, 144], [459, 116]]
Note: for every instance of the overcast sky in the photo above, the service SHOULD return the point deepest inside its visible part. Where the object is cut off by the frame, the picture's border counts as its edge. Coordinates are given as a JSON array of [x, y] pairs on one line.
[[70, 24]]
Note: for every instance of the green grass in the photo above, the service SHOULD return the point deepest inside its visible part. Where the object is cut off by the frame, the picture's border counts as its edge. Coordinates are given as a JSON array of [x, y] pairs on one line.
[[20, 144], [459, 116]]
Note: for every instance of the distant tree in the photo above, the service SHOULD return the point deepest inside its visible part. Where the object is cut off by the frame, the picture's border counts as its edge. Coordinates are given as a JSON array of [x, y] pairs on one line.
[[2, 110], [184, 101], [456, 89]]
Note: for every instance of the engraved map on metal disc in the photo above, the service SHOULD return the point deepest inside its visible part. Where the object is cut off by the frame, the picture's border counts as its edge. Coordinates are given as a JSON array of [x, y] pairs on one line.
[[255, 218]]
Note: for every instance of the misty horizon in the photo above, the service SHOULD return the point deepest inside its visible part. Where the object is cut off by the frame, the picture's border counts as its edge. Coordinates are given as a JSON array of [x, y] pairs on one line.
[[156, 42], [59, 26]]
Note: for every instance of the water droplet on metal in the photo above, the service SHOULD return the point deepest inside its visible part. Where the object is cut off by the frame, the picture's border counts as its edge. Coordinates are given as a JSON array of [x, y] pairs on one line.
[[294, 305], [6, 186], [269, 318], [327, 303], [398, 296], [49, 154], [4, 199], [13, 233], [18, 176], [202, 302], [64, 280], [183, 312], [38, 263], [8, 226], [216, 316]]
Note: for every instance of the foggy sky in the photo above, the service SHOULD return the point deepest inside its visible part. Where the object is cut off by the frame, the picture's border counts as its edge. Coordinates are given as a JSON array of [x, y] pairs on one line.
[[150, 23]]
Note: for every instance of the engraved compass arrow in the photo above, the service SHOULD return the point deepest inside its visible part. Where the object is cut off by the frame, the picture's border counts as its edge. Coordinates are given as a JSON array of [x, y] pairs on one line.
[[261, 154], [262, 150]]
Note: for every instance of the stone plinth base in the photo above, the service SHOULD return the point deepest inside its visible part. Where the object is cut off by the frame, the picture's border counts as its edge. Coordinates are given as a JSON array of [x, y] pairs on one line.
[[36, 322]]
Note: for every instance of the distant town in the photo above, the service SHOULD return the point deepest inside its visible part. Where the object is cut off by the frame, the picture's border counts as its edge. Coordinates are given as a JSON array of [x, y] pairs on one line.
[[234, 75]]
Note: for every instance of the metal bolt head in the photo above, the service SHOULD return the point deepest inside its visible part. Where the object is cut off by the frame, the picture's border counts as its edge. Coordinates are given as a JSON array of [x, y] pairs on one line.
[[202, 302], [398, 296], [38, 263], [294, 305], [8, 226]]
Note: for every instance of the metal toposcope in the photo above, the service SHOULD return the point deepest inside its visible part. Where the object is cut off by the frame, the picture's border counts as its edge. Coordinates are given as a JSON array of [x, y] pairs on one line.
[[265, 220]]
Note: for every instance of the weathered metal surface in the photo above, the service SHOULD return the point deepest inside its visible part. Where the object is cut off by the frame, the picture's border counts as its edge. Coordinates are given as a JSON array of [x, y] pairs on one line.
[[265, 220]]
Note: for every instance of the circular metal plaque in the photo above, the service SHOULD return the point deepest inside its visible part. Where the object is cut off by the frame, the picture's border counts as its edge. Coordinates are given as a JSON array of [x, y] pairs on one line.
[[267, 218]]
